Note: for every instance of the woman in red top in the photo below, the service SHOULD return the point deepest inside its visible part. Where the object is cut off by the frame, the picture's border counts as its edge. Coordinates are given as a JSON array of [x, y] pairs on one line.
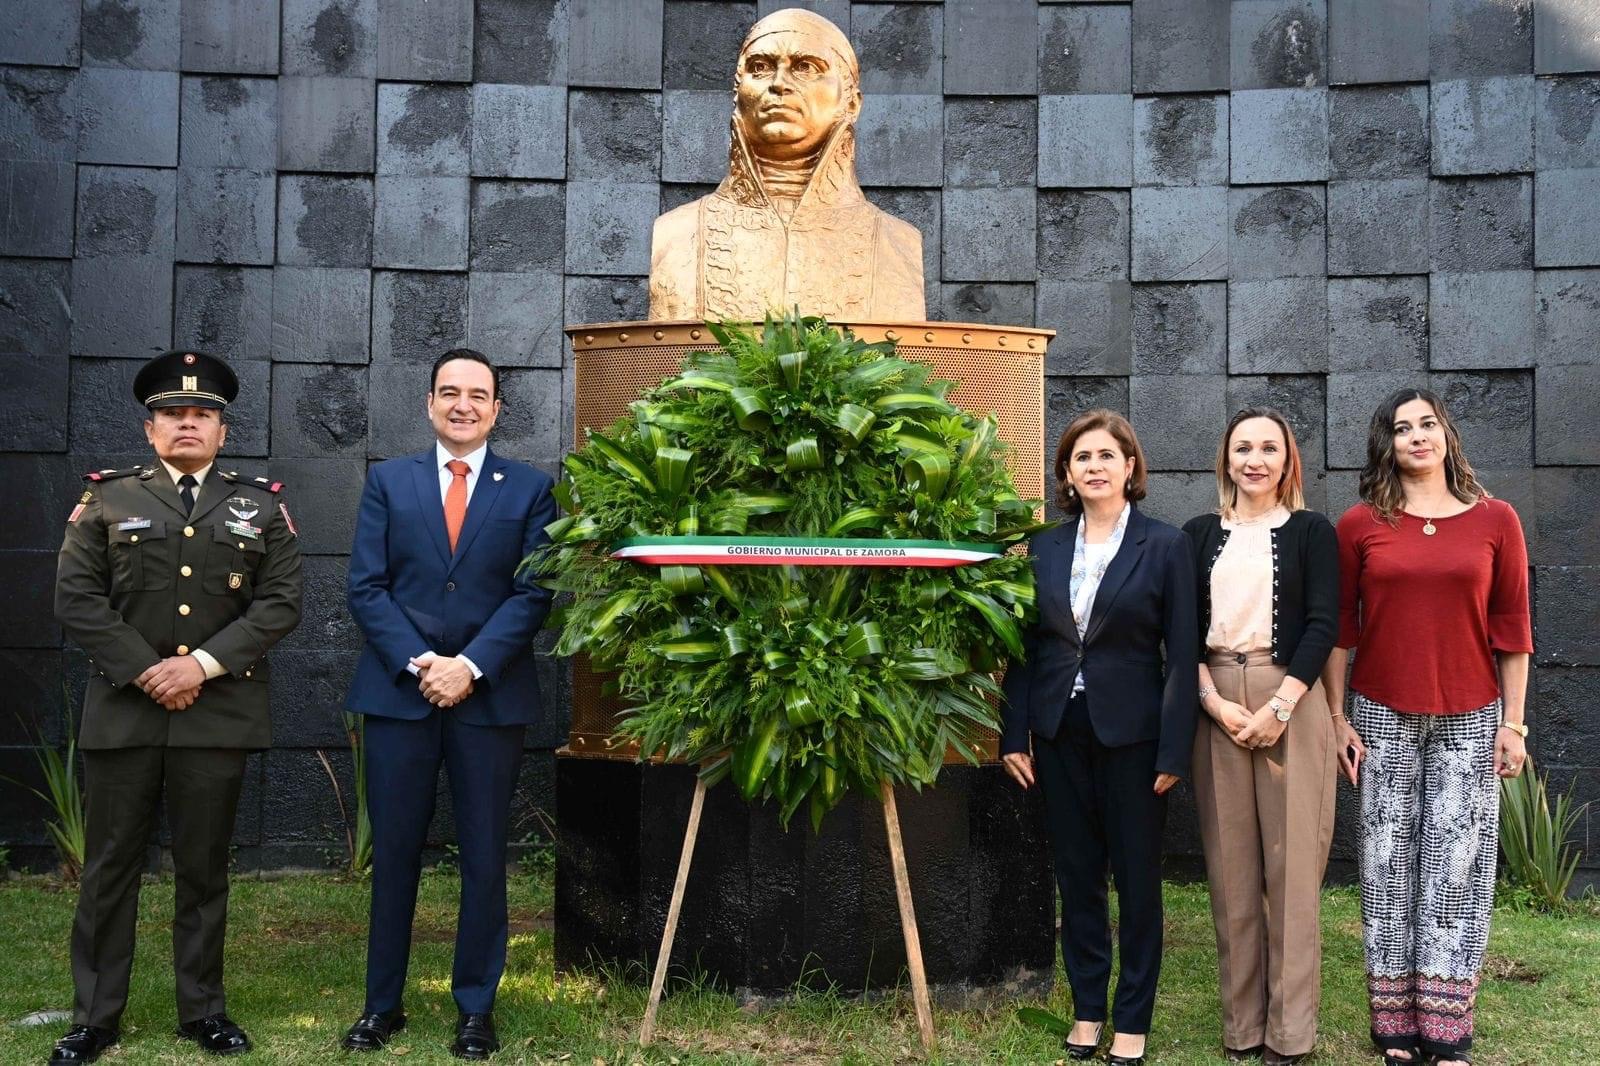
[[1434, 600]]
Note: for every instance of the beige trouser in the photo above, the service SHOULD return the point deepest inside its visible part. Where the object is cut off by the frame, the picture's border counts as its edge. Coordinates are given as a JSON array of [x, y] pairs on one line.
[[1266, 821]]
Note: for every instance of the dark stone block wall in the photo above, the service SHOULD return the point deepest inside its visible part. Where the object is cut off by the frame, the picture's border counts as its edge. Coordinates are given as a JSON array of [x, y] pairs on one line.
[[1304, 202]]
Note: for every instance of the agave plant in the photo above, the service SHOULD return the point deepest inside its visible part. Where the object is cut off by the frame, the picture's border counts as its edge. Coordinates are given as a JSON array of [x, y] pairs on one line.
[[796, 682]]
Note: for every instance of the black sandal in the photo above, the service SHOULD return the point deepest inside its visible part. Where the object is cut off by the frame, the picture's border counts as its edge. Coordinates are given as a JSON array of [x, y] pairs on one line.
[[1391, 1059], [1085, 1052]]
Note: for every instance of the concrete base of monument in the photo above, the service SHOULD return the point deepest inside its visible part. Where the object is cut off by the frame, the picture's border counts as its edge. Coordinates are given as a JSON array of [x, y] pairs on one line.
[[768, 910]]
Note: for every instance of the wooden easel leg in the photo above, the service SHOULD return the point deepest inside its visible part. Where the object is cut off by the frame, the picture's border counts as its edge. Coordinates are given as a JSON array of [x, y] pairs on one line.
[[908, 918], [647, 1031]]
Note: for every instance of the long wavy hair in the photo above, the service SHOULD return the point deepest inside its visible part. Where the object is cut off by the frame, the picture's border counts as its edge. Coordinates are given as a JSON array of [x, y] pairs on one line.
[[1291, 486], [1127, 440], [1380, 478]]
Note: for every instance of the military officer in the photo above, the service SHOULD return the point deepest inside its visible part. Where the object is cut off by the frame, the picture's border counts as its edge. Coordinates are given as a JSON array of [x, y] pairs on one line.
[[176, 577]]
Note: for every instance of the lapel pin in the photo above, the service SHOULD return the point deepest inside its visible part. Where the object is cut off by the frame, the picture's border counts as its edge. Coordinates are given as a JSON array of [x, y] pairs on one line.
[[499, 475]]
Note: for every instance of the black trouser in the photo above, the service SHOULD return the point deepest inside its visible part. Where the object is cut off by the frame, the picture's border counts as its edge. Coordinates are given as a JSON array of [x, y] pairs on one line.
[[122, 790], [1101, 809]]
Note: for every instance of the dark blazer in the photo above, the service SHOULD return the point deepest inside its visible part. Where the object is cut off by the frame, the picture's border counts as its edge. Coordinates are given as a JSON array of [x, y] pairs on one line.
[[1138, 654], [409, 594]]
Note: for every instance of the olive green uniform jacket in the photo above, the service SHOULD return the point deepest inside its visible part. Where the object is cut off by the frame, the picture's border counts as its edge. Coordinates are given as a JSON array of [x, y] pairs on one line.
[[138, 580]]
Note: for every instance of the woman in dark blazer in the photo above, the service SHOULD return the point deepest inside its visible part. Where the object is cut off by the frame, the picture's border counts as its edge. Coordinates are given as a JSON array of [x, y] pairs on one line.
[[1106, 700]]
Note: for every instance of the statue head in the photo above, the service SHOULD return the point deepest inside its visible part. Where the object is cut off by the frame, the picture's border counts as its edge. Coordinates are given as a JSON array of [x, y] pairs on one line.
[[796, 82]]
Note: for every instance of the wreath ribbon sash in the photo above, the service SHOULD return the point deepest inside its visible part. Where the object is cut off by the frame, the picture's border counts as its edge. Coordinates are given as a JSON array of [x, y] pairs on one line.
[[800, 551]]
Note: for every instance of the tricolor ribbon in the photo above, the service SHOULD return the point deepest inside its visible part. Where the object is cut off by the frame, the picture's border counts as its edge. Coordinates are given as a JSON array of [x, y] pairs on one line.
[[800, 551]]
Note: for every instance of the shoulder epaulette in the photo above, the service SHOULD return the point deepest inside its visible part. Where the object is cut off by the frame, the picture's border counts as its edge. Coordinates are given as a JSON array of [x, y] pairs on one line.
[[268, 484], [97, 476]]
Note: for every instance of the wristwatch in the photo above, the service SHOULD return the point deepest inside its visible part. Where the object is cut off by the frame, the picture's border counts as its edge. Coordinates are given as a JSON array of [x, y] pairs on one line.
[[1281, 708], [1516, 727]]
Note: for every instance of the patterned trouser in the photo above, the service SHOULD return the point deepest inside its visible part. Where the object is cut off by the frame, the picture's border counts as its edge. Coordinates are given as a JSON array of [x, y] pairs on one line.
[[1430, 812]]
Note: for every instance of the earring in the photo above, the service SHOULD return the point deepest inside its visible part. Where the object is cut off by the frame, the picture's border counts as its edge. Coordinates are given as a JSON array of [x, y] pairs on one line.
[[1071, 492]]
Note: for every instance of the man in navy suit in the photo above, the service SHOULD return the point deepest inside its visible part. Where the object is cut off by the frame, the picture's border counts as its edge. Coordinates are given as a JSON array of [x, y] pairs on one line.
[[447, 676]]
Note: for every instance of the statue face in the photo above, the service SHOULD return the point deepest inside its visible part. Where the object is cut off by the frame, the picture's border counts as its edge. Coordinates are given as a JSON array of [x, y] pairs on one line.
[[790, 94]]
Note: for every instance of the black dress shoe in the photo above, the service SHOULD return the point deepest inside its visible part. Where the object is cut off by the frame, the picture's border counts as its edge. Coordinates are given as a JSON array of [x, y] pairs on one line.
[[217, 1034], [83, 1043], [475, 1037], [1273, 1058], [1125, 1060], [1085, 1052], [372, 1031], [1243, 1054]]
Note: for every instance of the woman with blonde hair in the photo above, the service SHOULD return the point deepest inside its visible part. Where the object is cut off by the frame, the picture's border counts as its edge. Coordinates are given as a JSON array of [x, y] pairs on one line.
[[1434, 599], [1264, 766]]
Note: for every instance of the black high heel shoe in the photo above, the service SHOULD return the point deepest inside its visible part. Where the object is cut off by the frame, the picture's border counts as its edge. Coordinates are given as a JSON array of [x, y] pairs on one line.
[[1128, 1060], [1085, 1052]]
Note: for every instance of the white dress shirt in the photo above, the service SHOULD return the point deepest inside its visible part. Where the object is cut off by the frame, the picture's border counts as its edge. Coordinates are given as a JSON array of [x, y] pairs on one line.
[[474, 460], [207, 661]]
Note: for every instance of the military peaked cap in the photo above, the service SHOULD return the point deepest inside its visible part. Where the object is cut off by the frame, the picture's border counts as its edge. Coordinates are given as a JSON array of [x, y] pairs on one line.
[[185, 379]]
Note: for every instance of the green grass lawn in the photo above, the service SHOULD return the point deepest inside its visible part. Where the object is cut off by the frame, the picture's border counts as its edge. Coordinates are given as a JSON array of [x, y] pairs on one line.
[[296, 950]]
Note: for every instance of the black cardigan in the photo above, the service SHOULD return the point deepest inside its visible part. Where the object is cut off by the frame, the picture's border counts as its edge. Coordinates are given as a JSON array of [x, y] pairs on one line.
[[1305, 587]]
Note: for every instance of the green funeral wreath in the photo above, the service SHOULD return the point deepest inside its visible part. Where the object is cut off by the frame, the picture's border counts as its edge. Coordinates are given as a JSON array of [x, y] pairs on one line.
[[798, 682]]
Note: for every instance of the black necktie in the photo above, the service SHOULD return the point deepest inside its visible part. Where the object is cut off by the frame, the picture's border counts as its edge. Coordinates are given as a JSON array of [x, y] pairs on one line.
[[186, 485]]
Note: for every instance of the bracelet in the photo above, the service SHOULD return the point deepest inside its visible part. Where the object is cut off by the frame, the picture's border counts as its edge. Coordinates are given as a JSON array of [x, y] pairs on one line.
[[1517, 728], [1285, 700], [1207, 690], [1336, 716]]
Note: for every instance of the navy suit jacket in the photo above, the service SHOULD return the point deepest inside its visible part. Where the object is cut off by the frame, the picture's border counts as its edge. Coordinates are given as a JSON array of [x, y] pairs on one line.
[[410, 594], [1138, 653]]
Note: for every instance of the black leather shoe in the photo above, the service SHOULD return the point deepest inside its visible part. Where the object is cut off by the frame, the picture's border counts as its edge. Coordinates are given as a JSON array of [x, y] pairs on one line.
[[217, 1034], [1273, 1058], [83, 1043], [1085, 1052], [372, 1031], [475, 1037], [1125, 1060], [1243, 1054]]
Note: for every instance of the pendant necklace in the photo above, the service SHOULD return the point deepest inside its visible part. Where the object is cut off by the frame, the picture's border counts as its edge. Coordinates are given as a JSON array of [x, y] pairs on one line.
[[1428, 528]]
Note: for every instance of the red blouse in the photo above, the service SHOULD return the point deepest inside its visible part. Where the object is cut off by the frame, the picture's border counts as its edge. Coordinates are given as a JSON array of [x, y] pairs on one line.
[[1426, 614]]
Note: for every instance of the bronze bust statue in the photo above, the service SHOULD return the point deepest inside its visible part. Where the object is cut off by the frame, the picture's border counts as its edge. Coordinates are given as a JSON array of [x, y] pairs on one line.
[[789, 225]]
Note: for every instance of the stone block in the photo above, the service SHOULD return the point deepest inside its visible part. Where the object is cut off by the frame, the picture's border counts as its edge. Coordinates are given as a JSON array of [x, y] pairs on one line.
[[105, 386], [1086, 140], [999, 305], [1065, 398], [230, 36], [1378, 132], [320, 314], [1093, 324], [900, 48], [1480, 38], [529, 427], [1566, 615], [1483, 125], [424, 129], [924, 209], [518, 226], [249, 416], [225, 215], [1567, 121], [1566, 316], [899, 141], [1377, 41], [609, 226], [38, 114], [521, 42], [1180, 329], [143, 34], [1352, 398], [38, 418], [1175, 497], [1563, 528], [324, 221], [325, 620], [1567, 701], [326, 124], [1564, 36], [128, 117], [1084, 235], [835, 11], [29, 620], [1279, 44], [1377, 324], [229, 122], [515, 319], [1494, 412], [989, 141], [1278, 135], [1180, 234], [1179, 416], [41, 32], [122, 307], [990, 48], [701, 39], [1378, 227], [397, 422], [319, 411], [590, 300], [694, 137], [421, 222], [330, 38], [33, 706], [124, 212], [615, 45], [615, 136], [1566, 222], [36, 207], [1565, 433], [1276, 231], [416, 317], [226, 311], [1180, 140], [1483, 224], [989, 234], [35, 306], [1277, 326], [1084, 49], [1482, 321], [519, 131], [1180, 46], [425, 40], [1303, 401], [309, 685]]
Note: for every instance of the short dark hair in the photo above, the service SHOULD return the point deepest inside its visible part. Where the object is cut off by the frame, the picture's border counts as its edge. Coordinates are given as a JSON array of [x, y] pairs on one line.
[[472, 355]]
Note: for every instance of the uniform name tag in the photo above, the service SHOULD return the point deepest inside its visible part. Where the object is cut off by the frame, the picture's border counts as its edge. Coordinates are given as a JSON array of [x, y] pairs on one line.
[[133, 523], [244, 529]]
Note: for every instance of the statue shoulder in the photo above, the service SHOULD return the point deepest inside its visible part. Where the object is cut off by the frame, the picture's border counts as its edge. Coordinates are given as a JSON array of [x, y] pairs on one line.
[[682, 221], [900, 232]]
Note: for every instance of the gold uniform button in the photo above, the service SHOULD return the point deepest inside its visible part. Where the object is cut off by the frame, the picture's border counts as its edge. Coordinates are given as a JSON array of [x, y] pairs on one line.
[[183, 608], [183, 649], [241, 545], [247, 673], [134, 539], [188, 531], [185, 571]]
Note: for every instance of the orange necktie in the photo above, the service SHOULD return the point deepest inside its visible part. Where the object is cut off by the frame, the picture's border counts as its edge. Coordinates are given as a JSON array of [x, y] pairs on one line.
[[455, 501]]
